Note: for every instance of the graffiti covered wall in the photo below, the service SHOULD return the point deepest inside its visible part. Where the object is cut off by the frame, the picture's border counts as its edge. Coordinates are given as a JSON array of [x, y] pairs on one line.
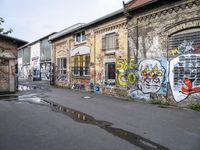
[[166, 50]]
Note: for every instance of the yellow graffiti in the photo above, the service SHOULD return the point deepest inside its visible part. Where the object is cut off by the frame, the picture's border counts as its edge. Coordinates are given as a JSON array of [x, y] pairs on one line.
[[123, 77], [174, 52], [132, 64], [122, 80], [132, 78], [121, 65]]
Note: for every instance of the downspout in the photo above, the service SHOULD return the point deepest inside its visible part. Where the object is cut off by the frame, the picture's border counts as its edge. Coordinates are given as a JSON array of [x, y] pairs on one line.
[[94, 59]]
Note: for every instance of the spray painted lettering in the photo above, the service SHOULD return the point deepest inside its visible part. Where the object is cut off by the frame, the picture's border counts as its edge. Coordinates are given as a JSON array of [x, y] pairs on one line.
[[124, 77]]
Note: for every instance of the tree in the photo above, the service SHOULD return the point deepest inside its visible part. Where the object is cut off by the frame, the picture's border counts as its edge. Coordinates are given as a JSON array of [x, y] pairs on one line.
[[2, 31]]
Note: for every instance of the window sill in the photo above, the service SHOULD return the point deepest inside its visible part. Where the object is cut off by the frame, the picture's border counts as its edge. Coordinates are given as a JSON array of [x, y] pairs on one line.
[[80, 77], [80, 43], [109, 52]]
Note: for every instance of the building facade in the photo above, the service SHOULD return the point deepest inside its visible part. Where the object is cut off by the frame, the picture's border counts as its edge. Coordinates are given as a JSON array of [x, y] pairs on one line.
[[86, 56], [164, 45], [34, 59], [8, 63]]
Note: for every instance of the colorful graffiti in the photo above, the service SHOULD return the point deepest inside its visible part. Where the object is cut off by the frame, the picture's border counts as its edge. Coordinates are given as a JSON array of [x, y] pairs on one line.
[[137, 94], [185, 76], [151, 75], [77, 86], [183, 48], [124, 75], [97, 89]]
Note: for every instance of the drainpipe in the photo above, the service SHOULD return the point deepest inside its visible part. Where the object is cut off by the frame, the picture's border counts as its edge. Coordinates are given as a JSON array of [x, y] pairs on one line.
[[94, 59]]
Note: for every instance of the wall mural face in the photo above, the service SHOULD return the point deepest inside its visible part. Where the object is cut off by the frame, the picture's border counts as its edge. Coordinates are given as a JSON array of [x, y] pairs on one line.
[[151, 75], [185, 76]]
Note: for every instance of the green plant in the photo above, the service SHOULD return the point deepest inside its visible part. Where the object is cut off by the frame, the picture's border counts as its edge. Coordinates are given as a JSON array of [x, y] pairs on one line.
[[160, 103], [195, 106]]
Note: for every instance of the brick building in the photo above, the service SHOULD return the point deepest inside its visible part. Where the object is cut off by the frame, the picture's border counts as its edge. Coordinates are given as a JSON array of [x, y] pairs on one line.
[[86, 55], [8, 62], [164, 42]]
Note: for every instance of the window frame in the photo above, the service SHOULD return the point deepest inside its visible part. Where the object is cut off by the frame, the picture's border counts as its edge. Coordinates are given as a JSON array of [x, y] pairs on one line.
[[83, 37], [110, 41], [61, 66], [107, 73], [81, 65]]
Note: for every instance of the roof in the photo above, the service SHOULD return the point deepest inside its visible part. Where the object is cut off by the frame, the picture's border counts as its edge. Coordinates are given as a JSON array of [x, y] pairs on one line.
[[19, 42], [31, 43], [134, 4], [75, 28], [7, 54], [66, 31]]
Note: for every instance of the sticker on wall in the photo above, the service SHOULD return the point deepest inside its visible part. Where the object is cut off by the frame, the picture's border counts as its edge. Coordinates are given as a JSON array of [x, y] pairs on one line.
[[184, 76], [151, 75]]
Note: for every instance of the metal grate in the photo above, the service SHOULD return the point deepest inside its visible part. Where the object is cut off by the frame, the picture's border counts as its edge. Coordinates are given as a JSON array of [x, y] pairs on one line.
[[175, 40]]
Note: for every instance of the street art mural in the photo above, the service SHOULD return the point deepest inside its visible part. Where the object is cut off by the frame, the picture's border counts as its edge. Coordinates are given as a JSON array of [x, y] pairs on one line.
[[184, 76], [151, 75], [125, 73], [137, 94], [45, 71], [121, 69], [78, 86]]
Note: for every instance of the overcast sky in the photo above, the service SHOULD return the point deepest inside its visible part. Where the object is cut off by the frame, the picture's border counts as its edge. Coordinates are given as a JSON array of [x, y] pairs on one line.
[[33, 19]]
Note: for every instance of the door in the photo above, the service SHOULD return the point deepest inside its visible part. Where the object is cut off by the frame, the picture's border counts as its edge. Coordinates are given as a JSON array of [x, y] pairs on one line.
[[4, 75]]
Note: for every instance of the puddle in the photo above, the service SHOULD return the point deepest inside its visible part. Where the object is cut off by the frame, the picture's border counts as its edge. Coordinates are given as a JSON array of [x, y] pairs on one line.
[[81, 117], [30, 98], [86, 97], [130, 137], [27, 88]]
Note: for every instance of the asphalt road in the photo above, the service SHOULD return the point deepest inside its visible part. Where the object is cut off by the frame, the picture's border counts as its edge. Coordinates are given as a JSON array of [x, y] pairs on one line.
[[28, 126], [42, 117]]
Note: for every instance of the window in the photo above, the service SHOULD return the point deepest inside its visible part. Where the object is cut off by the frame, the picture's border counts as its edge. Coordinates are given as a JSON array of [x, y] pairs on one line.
[[110, 73], [62, 66], [110, 41], [80, 37], [81, 65]]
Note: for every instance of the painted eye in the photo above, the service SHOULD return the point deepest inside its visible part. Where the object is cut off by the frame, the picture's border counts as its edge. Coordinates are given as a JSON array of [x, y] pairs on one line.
[[144, 73], [160, 73], [146, 69], [155, 68], [151, 74]]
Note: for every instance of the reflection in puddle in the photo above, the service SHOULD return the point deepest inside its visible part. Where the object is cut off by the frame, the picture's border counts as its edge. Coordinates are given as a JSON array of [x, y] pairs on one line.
[[132, 138], [27, 88], [78, 116], [30, 98]]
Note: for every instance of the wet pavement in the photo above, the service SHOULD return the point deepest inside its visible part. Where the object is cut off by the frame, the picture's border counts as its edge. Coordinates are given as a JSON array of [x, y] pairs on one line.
[[114, 117], [81, 117]]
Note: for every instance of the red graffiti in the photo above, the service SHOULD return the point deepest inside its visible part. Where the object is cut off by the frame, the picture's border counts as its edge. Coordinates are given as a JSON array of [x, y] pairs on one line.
[[188, 88], [197, 48]]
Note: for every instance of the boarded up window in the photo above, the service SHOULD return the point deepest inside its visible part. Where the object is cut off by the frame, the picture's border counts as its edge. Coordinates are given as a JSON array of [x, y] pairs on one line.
[[110, 42]]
